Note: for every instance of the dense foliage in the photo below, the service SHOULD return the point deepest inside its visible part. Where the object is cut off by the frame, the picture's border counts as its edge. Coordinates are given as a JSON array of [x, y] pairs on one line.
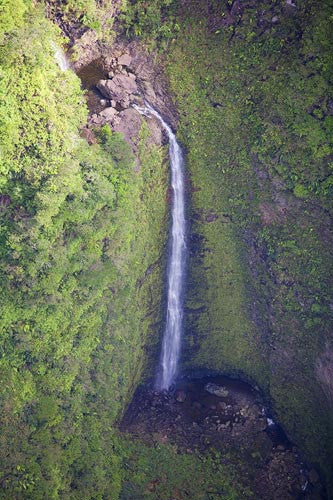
[[160, 471], [77, 307], [83, 14], [152, 21]]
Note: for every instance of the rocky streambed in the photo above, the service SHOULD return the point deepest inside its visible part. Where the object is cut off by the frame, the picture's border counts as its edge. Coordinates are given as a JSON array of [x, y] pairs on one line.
[[114, 79], [229, 416]]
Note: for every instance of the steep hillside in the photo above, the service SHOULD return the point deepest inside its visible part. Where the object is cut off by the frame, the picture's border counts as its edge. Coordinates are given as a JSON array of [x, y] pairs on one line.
[[84, 205], [253, 87], [80, 227]]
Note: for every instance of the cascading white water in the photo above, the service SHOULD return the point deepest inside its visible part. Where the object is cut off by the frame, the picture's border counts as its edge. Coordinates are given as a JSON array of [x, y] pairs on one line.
[[176, 264], [60, 57]]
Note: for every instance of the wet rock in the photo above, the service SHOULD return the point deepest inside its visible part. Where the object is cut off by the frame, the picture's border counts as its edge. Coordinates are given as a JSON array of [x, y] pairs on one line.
[[118, 89], [216, 390], [125, 60], [261, 425], [149, 91], [180, 396]]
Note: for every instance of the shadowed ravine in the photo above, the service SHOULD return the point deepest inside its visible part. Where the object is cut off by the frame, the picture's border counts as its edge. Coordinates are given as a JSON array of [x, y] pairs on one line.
[[176, 265]]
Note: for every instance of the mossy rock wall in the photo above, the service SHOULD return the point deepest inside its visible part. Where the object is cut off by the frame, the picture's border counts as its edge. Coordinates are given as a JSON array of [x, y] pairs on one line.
[[252, 86]]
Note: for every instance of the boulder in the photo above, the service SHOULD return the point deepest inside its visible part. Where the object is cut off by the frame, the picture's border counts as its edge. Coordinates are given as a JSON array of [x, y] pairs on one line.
[[118, 89], [124, 60], [108, 114], [126, 83], [216, 390], [96, 119]]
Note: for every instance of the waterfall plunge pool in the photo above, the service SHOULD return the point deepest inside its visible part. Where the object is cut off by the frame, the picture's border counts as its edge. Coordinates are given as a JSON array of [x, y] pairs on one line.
[[236, 424]]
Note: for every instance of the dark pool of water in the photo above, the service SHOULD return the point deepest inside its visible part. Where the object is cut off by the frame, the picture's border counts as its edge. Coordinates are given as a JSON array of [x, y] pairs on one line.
[[90, 76]]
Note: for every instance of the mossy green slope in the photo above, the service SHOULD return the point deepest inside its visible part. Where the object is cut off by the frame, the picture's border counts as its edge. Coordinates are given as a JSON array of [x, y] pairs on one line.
[[162, 471], [253, 89]]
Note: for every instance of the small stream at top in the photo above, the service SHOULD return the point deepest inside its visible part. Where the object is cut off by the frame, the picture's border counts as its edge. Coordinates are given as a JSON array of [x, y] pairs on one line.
[[176, 264], [60, 57]]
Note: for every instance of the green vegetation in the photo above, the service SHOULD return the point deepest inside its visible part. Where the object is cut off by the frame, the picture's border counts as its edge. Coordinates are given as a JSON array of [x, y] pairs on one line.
[[162, 472], [79, 229], [83, 230], [83, 14], [151, 20], [254, 94]]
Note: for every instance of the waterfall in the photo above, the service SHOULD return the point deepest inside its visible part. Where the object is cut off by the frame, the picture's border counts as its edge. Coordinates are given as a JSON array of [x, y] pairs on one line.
[[60, 57], [176, 261]]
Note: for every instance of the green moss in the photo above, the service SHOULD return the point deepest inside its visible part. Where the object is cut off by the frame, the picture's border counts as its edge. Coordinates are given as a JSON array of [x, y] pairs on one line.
[[300, 191], [259, 273]]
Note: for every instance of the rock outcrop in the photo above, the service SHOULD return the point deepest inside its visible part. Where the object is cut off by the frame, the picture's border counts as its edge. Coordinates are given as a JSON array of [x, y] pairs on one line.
[[131, 76], [121, 89]]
